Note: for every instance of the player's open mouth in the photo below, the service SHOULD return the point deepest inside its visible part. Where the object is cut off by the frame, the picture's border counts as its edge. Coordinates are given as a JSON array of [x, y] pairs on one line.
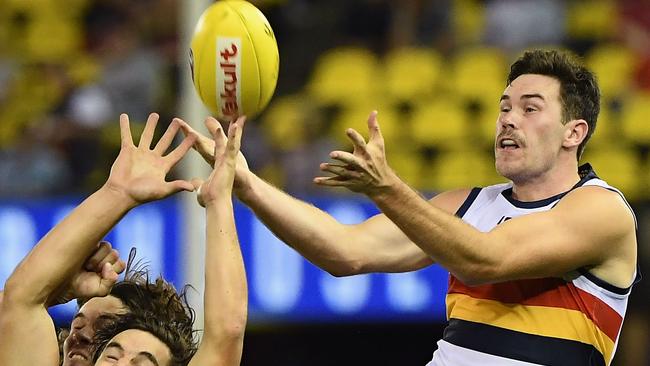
[[508, 144], [74, 355]]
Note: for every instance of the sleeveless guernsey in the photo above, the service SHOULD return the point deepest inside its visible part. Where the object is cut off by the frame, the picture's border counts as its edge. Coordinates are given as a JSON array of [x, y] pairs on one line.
[[574, 320]]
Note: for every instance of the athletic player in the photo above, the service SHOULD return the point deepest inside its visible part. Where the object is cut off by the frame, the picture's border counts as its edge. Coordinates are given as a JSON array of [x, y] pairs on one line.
[[540, 268], [137, 176]]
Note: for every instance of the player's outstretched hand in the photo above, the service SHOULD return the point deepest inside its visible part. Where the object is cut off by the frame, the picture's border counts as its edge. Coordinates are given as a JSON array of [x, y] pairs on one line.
[[208, 148], [139, 171], [365, 169], [219, 184]]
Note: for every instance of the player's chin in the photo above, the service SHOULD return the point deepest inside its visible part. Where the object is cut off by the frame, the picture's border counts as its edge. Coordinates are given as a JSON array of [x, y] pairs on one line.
[[507, 169]]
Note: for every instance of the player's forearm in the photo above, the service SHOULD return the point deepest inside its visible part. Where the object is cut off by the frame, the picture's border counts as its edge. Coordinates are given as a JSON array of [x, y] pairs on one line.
[[63, 250], [226, 294], [315, 234], [448, 240]]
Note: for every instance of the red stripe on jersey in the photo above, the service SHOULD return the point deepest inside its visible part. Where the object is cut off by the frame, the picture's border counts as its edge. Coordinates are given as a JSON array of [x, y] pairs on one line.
[[551, 292]]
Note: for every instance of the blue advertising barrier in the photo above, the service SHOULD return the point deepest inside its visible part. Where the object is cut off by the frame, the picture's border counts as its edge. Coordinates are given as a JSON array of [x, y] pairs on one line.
[[283, 287]]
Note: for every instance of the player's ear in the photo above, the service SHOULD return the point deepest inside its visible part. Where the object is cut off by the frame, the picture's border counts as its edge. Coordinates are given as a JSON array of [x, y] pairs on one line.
[[575, 132]]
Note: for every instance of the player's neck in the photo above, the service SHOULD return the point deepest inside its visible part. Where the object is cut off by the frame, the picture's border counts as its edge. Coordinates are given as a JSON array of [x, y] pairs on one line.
[[549, 184]]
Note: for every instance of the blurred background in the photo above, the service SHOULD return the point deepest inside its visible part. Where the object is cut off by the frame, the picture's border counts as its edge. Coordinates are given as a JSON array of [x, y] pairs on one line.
[[434, 69]]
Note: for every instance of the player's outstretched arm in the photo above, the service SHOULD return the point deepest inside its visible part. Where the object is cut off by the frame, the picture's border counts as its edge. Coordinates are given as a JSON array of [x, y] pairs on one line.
[[137, 176], [376, 245], [577, 233], [226, 298]]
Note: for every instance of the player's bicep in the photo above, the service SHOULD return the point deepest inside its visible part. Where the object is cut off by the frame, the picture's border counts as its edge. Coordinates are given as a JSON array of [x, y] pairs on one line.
[[383, 247], [390, 249], [27, 336]]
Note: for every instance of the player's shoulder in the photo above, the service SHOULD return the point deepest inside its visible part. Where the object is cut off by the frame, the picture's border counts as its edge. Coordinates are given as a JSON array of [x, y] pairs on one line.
[[589, 195], [598, 201], [451, 200]]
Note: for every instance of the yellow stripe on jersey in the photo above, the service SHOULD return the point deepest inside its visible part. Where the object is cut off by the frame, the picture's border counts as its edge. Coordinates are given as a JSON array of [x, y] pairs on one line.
[[539, 320]]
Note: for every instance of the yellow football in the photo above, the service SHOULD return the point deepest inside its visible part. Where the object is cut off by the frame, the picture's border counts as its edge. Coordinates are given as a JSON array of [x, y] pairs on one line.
[[234, 59]]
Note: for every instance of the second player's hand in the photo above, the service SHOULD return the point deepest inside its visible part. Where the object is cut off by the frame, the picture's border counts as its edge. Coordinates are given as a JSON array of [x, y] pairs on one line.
[[220, 182], [139, 171], [209, 147], [365, 170]]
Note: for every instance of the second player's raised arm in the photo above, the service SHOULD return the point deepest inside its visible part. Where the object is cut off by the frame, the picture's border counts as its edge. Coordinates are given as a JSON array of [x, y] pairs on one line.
[[226, 294]]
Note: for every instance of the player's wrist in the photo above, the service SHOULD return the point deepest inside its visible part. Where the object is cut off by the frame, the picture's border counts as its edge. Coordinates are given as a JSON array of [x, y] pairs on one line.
[[391, 188], [117, 196], [242, 187]]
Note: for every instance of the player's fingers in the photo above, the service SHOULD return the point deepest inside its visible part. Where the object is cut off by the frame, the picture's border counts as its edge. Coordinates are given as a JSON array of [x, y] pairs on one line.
[[196, 183], [213, 127], [107, 280], [333, 182], [185, 127], [345, 157], [357, 140], [125, 130], [103, 249], [373, 128], [149, 129], [182, 149], [216, 131], [343, 171], [119, 266], [204, 145], [235, 131], [179, 185], [168, 137]]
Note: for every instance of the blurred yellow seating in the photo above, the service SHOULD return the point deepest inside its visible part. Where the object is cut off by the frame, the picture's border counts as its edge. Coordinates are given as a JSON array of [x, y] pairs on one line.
[[479, 75], [342, 76], [411, 73], [635, 119], [486, 124], [606, 131], [440, 122], [460, 168], [356, 117], [407, 163], [591, 19], [284, 121], [614, 66], [468, 21], [51, 40], [619, 165]]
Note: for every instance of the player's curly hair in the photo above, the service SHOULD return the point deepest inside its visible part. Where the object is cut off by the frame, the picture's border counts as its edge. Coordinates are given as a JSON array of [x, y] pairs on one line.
[[175, 334], [579, 92], [137, 292], [158, 299]]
